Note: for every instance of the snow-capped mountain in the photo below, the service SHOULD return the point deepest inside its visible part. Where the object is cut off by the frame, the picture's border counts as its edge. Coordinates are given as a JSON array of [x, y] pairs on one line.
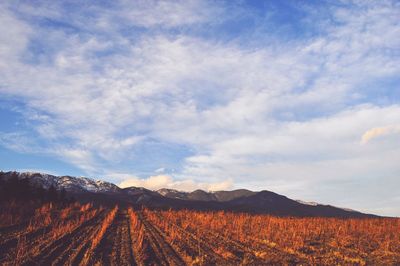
[[172, 193], [69, 183], [240, 200], [202, 195]]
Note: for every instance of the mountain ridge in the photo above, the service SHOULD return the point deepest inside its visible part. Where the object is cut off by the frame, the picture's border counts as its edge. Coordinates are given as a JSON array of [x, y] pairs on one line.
[[239, 200]]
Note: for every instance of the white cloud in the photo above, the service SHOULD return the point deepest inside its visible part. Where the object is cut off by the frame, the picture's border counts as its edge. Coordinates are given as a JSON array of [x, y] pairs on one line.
[[277, 115], [19, 142], [14, 38], [170, 14], [160, 170], [302, 159], [84, 158], [153, 182], [379, 131], [166, 181]]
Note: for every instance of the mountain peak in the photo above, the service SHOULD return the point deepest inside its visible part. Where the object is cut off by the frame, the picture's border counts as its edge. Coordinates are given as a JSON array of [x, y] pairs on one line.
[[239, 200], [69, 183]]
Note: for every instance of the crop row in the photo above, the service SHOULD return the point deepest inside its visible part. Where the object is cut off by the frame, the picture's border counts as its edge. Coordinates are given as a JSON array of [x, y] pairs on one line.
[[87, 235]]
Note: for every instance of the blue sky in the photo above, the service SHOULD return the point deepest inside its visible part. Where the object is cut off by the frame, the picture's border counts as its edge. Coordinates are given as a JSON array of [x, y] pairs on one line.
[[298, 97]]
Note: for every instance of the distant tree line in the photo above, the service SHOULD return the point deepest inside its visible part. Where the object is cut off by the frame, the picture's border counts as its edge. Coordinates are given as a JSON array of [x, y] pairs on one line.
[[14, 188]]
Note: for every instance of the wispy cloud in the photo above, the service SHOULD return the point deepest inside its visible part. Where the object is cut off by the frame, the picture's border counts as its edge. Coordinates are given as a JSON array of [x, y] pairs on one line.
[[101, 84], [170, 14], [378, 132], [19, 142], [160, 170]]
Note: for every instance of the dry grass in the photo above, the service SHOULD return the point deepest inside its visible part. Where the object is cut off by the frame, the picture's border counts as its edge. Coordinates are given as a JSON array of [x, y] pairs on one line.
[[108, 220], [327, 239], [137, 232], [47, 223], [13, 213], [196, 238]]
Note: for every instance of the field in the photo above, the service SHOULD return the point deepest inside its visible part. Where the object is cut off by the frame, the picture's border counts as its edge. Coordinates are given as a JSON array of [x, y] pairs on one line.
[[82, 234]]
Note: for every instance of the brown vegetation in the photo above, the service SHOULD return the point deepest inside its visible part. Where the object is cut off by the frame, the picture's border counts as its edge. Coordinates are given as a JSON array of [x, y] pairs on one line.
[[298, 240], [106, 223], [86, 235]]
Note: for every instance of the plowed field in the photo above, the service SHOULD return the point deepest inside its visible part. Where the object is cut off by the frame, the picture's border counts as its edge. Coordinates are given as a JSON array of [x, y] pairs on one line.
[[87, 235]]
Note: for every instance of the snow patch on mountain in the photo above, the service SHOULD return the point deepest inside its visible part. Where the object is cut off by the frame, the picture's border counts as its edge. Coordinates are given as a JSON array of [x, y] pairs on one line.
[[311, 203], [69, 183]]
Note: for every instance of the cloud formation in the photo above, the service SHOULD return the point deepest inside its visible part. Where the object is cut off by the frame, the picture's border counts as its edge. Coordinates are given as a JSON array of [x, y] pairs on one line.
[[379, 131], [211, 90], [166, 181]]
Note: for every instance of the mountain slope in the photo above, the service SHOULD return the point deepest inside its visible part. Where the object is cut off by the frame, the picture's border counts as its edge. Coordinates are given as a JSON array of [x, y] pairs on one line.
[[272, 203], [69, 183], [241, 200], [202, 195]]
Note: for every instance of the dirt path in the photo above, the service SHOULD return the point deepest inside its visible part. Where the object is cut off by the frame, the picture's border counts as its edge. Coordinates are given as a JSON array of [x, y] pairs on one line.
[[217, 247], [164, 243], [9, 231], [61, 249], [79, 245], [164, 253], [200, 251], [8, 244], [115, 248]]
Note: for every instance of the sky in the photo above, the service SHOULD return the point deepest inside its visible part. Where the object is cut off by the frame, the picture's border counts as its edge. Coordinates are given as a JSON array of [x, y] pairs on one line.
[[297, 97]]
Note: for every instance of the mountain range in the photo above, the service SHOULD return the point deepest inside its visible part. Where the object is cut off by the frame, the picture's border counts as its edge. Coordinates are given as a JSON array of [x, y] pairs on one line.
[[240, 200]]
